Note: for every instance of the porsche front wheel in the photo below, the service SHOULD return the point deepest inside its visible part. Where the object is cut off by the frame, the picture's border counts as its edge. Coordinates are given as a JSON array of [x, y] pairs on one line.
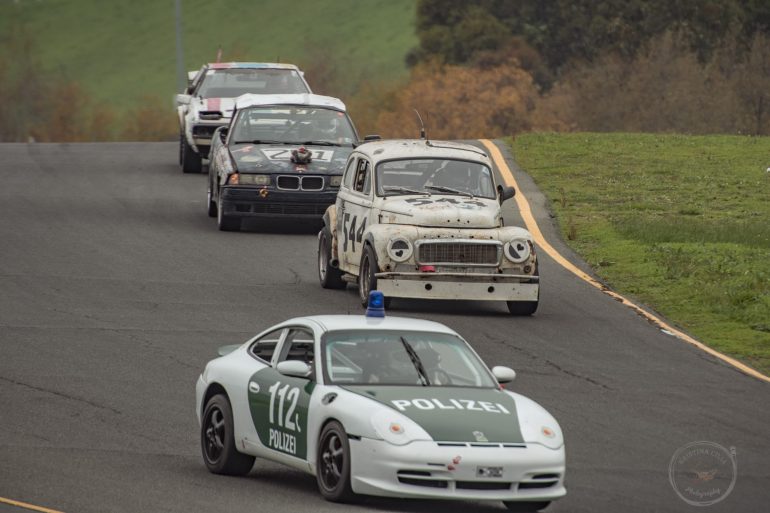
[[218, 442], [333, 464]]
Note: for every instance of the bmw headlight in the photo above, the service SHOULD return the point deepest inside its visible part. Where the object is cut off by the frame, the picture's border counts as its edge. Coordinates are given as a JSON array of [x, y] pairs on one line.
[[400, 249], [397, 429], [335, 181], [251, 179], [517, 250]]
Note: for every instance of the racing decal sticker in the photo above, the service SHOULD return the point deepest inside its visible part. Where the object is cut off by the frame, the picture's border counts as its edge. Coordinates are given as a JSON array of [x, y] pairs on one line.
[[279, 408], [452, 404], [285, 154], [352, 235], [453, 414], [463, 203]]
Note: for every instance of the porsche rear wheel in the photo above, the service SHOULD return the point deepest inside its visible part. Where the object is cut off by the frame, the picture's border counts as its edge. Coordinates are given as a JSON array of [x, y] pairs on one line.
[[329, 276], [191, 161], [218, 442], [333, 464], [525, 507]]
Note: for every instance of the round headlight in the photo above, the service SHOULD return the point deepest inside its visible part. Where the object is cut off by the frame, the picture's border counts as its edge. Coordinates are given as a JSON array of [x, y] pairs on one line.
[[399, 249], [517, 250]]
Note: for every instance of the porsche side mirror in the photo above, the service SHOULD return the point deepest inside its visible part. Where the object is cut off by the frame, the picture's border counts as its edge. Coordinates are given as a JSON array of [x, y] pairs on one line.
[[505, 193], [183, 99], [294, 368], [503, 374]]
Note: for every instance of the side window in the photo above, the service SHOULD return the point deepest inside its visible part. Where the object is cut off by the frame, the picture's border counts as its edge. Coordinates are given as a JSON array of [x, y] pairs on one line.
[[350, 171], [264, 347], [298, 346], [363, 181]]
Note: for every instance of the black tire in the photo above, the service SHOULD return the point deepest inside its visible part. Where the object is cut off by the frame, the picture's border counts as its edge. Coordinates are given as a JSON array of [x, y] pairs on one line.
[[226, 223], [218, 442], [181, 148], [191, 161], [525, 507], [522, 308], [329, 276], [333, 464], [212, 205], [367, 281]]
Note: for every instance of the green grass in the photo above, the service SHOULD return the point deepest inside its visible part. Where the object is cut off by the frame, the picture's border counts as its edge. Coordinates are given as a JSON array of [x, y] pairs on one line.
[[122, 51], [681, 223]]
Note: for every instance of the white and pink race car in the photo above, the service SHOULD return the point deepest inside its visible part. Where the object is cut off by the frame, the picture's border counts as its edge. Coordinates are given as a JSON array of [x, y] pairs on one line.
[[208, 101]]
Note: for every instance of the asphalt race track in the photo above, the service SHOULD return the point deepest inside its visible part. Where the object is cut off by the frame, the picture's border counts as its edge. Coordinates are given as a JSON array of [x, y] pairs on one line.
[[116, 288]]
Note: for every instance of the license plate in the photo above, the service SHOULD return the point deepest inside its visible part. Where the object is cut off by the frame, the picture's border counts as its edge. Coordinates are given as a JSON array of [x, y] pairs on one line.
[[489, 471]]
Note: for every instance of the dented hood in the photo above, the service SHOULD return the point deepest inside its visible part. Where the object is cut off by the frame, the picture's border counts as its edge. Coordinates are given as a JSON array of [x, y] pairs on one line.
[[223, 105], [276, 158], [441, 211]]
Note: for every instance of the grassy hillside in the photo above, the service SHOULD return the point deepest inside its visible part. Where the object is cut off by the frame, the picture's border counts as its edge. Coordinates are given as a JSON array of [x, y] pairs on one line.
[[682, 223], [121, 51]]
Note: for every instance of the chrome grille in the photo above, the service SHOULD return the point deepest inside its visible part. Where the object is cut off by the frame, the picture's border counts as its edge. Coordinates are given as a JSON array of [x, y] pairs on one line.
[[458, 253]]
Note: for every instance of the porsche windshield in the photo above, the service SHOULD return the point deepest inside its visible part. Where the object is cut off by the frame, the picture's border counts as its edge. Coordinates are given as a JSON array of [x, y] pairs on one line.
[[401, 358], [293, 125], [435, 176], [233, 82]]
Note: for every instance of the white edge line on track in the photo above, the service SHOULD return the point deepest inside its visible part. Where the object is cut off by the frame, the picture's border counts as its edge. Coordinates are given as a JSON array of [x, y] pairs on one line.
[[24, 505], [534, 229]]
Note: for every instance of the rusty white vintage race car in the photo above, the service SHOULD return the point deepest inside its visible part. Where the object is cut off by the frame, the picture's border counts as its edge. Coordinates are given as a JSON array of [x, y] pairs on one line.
[[392, 407], [422, 219], [208, 101]]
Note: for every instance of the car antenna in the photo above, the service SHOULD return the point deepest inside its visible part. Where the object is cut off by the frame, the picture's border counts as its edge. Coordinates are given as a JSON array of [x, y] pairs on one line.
[[423, 135]]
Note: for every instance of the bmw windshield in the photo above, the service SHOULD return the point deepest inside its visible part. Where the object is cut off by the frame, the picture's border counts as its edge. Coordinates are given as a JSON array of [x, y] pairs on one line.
[[290, 124], [233, 82], [390, 357]]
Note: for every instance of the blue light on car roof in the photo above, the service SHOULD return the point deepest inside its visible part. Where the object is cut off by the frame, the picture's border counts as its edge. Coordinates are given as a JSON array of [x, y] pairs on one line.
[[376, 307]]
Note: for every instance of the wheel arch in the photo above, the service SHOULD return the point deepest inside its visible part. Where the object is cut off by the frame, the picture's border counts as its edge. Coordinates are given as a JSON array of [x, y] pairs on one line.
[[312, 442], [213, 389]]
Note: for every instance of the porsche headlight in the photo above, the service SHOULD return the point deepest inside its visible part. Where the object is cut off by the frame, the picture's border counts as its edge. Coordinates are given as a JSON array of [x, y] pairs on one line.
[[397, 429], [335, 181], [400, 249], [517, 250], [544, 431], [250, 179]]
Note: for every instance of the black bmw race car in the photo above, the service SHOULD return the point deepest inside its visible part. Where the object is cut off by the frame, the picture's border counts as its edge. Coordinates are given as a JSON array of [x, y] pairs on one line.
[[282, 156]]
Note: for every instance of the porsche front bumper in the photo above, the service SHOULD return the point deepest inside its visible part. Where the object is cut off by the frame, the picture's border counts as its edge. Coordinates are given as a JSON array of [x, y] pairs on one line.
[[527, 472]]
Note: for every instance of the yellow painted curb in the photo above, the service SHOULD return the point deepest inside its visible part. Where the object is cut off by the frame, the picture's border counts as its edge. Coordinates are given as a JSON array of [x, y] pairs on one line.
[[534, 229], [24, 505]]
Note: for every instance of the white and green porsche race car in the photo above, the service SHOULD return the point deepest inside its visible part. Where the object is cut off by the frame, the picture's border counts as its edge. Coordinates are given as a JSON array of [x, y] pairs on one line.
[[371, 405]]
